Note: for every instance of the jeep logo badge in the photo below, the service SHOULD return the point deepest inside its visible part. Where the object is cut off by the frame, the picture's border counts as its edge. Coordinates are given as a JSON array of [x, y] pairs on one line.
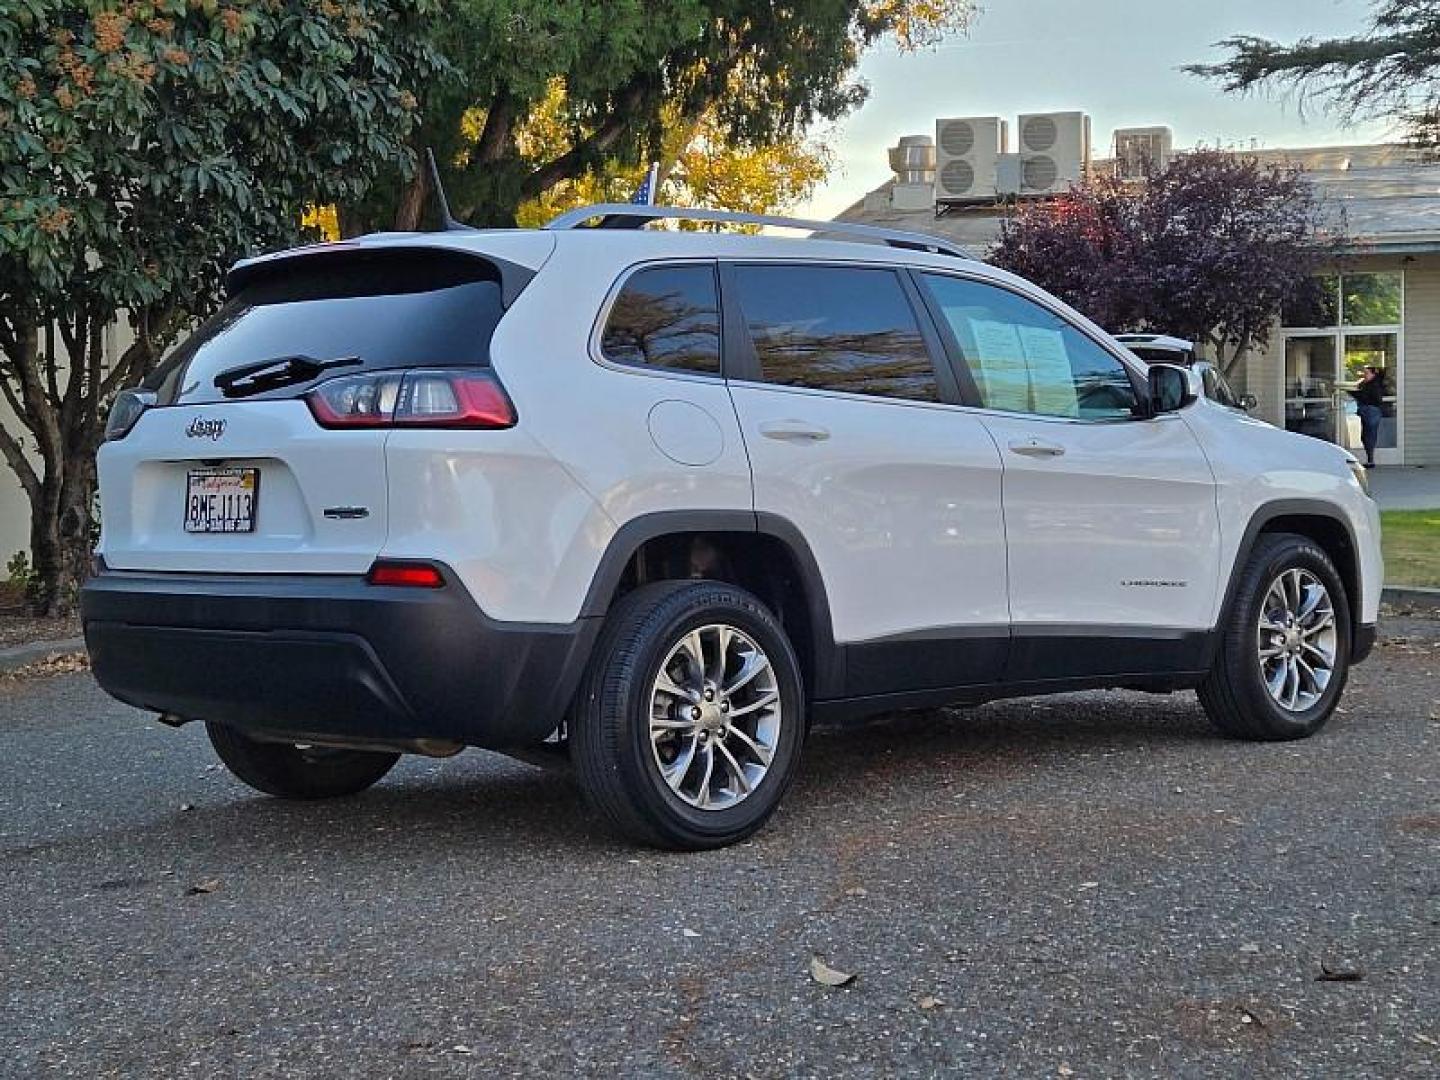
[[205, 429]]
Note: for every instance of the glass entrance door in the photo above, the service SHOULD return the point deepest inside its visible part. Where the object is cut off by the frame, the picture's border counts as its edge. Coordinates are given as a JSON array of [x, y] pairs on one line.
[[1380, 351], [1312, 368], [1320, 371], [1353, 321]]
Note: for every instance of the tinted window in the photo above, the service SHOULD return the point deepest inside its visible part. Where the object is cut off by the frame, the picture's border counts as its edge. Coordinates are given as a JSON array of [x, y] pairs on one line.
[[401, 310], [1026, 359], [836, 328], [667, 317]]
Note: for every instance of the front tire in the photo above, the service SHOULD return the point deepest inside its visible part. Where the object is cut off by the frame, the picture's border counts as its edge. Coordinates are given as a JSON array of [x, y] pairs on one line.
[[1284, 652], [290, 771], [687, 729]]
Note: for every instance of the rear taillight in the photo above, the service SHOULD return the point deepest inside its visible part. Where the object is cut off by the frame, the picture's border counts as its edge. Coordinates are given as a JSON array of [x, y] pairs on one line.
[[422, 398], [414, 575], [129, 406]]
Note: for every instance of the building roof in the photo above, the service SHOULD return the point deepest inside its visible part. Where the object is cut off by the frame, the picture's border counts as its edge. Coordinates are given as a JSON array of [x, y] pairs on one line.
[[1387, 197]]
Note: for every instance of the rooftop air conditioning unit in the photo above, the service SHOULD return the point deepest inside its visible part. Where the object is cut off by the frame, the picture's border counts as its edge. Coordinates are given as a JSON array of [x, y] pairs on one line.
[[1054, 151], [965, 153], [1135, 148], [1007, 175]]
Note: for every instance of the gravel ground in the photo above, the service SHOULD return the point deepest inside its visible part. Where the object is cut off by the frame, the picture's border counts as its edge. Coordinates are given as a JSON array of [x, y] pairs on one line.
[[1080, 886], [17, 629]]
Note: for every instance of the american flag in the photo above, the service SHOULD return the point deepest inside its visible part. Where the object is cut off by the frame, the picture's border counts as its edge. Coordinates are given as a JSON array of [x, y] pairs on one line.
[[645, 193]]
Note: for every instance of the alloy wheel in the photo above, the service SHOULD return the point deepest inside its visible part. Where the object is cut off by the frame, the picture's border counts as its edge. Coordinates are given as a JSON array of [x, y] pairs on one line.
[[715, 717], [1297, 640]]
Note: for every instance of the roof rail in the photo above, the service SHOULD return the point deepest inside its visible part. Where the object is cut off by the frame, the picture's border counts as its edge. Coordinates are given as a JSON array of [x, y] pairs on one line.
[[635, 216]]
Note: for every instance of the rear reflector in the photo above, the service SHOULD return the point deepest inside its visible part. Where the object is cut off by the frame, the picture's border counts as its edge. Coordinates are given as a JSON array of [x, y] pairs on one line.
[[405, 574], [443, 398]]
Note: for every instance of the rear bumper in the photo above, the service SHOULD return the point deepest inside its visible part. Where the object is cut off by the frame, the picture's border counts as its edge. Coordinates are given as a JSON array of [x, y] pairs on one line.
[[330, 656]]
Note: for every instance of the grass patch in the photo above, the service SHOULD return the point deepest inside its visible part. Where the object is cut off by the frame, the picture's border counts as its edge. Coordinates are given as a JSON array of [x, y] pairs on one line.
[[1411, 540]]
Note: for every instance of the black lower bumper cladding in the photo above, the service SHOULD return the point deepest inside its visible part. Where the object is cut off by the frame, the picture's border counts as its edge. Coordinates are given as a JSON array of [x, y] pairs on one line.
[[330, 655]]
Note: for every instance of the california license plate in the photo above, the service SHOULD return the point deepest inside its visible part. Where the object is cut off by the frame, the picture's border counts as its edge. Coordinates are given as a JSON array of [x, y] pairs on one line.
[[221, 500]]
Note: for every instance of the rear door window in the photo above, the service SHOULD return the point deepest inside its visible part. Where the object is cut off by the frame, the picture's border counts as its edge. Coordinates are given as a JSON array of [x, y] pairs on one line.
[[666, 317], [836, 328], [399, 309]]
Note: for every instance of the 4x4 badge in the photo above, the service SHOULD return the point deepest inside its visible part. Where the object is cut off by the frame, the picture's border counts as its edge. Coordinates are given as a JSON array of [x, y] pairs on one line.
[[205, 429]]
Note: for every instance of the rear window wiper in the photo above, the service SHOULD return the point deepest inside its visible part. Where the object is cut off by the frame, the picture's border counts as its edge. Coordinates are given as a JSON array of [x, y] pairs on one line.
[[248, 379]]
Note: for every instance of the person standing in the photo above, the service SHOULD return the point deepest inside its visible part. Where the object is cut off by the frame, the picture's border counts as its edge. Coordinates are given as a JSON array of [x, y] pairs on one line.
[[1369, 398]]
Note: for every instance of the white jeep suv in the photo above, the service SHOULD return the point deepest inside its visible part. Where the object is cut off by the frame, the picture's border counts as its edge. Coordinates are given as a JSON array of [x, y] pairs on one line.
[[660, 498]]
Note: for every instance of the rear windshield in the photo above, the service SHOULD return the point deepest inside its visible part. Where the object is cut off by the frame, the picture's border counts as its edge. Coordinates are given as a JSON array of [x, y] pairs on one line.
[[396, 309]]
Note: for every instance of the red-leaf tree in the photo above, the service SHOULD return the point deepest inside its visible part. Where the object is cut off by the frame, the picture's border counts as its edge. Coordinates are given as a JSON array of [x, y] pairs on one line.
[[1208, 249]]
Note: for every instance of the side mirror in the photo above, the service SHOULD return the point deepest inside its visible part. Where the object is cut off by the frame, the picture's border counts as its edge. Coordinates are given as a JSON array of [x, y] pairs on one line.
[[1170, 388], [1248, 401]]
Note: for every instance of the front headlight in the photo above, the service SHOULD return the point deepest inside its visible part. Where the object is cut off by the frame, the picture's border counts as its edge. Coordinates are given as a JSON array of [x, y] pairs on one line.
[[1361, 474]]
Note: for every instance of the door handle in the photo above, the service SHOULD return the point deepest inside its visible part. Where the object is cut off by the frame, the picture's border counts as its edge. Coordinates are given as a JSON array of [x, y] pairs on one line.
[[1036, 448], [793, 431]]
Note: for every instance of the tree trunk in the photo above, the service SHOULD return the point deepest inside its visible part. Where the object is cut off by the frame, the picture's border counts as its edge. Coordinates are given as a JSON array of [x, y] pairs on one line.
[[62, 528], [1228, 365], [411, 209]]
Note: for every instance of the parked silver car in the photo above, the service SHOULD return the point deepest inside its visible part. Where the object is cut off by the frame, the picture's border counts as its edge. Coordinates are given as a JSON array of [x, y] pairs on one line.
[[1163, 349]]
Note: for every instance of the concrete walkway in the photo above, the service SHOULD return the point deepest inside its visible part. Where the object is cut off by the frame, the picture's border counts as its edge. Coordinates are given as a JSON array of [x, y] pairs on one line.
[[1398, 487], [18, 656]]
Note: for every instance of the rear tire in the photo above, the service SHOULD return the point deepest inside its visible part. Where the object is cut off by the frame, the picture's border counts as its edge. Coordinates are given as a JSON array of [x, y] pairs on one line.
[[1284, 652], [682, 753], [295, 772]]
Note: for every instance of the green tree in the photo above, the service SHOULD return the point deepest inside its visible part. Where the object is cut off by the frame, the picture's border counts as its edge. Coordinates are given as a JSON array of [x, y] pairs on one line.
[[144, 147], [757, 74], [1393, 70]]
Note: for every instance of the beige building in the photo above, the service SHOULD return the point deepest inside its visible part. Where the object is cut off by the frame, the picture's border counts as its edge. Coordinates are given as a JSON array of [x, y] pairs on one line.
[[1384, 297], [14, 507]]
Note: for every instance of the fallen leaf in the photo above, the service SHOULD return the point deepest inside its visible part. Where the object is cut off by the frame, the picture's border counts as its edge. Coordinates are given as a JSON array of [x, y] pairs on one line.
[[825, 975], [930, 1002], [1064, 1070], [203, 887], [1248, 1017]]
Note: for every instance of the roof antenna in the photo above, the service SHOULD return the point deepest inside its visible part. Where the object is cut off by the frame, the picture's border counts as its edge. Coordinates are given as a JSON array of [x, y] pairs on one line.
[[448, 222]]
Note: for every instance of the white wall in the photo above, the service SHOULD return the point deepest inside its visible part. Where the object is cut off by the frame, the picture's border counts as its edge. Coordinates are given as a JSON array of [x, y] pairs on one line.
[[14, 507]]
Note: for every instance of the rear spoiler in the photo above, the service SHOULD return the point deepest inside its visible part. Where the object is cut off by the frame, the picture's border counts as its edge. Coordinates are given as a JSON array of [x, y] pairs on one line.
[[512, 276]]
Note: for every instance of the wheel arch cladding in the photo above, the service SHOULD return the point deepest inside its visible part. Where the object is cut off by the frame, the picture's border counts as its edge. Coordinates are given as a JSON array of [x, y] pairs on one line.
[[1319, 522], [763, 553]]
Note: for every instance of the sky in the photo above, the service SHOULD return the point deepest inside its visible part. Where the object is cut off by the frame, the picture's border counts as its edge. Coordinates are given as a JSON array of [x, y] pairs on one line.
[[1117, 60]]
